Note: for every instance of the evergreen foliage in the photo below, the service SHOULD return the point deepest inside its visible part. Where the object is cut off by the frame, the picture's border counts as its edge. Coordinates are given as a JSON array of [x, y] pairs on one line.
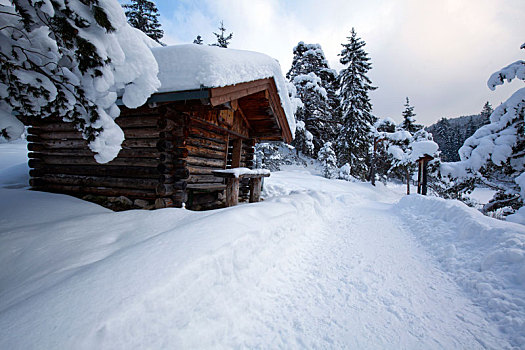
[[486, 112], [409, 121], [495, 155], [353, 145], [328, 160], [198, 40], [143, 15], [451, 133], [52, 52], [222, 41], [315, 85]]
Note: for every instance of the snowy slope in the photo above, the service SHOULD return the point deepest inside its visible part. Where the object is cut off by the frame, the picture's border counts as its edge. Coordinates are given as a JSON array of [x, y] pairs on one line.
[[319, 264]]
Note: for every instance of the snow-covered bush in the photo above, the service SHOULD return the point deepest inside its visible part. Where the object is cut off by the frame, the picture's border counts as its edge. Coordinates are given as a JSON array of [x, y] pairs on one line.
[[71, 59]]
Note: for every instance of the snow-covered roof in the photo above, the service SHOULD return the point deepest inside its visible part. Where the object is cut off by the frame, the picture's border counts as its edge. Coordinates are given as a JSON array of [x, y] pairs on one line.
[[191, 67]]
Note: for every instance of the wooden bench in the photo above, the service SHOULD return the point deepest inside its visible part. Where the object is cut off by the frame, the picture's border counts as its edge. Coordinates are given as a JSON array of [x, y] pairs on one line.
[[233, 177]]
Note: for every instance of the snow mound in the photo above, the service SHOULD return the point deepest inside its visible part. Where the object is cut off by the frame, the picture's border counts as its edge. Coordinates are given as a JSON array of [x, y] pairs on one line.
[[485, 256], [191, 67]]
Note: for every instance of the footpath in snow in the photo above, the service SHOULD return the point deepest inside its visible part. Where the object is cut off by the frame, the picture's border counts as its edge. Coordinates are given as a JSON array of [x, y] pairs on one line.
[[319, 264]]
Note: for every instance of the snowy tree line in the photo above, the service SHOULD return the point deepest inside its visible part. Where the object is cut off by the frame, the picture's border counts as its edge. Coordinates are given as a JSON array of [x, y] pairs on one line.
[[336, 127], [451, 133]]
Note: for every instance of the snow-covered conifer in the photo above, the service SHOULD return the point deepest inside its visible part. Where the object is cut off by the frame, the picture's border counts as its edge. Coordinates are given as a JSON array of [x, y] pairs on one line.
[[486, 112], [69, 59], [143, 15], [315, 83], [495, 154], [222, 41], [328, 159], [355, 137], [409, 121]]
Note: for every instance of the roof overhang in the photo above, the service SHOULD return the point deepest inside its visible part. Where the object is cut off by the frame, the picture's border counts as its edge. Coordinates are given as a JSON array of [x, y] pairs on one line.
[[258, 99]]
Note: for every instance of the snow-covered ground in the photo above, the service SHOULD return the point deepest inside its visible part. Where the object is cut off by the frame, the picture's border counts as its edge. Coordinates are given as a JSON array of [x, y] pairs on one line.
[[319, 264]]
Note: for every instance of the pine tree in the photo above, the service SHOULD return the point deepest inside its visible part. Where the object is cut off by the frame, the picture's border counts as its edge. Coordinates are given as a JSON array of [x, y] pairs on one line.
[[409, 121], [143, 15], [222, 41], [198, 40], [486, 112], [315, 84], [52, 52], [355, 137]]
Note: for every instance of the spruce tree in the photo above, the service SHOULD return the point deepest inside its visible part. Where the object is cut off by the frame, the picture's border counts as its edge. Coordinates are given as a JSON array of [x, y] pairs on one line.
[[355, 137], [222, 41], [486, 112], [143, 15], [409, 121], [328, 159], [315, 83]]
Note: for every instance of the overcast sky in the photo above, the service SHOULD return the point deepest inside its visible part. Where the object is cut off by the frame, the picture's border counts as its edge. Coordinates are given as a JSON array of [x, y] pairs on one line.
[[439, 53]]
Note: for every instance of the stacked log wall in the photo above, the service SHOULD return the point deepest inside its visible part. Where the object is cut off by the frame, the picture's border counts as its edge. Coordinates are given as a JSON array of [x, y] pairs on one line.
[[151, 165], [207, 148]]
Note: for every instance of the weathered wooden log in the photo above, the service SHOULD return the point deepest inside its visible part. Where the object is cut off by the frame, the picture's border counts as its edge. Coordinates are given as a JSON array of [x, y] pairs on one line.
[[54, 127], [95, 181], [175, 133], [214, 163], [143, 152], [168, 202], [255, 190], [196, 200], [169, 145], [169, 167], [168, 179], [232, 191], [208, 144], [153, 133], [170, 189], [57, 143], [200, 170], [55, 135], [143, 121], [97, 170], [207, 187], [205, 152], [170, 124], [103, 191], [120, 161], [196, 178], [206, 134], [81, 143]]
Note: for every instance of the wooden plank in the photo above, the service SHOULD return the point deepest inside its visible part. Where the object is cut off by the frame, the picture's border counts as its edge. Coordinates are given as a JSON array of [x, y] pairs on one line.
[[233, 92], [236, 153], [201, 178], [206, 187]]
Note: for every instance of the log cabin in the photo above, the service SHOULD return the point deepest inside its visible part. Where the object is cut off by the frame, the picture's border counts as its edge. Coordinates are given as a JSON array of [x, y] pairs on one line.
[[214, 104]]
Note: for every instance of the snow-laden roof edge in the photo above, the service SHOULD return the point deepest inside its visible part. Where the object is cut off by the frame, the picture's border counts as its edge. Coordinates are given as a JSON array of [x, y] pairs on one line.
[[191, 67]]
